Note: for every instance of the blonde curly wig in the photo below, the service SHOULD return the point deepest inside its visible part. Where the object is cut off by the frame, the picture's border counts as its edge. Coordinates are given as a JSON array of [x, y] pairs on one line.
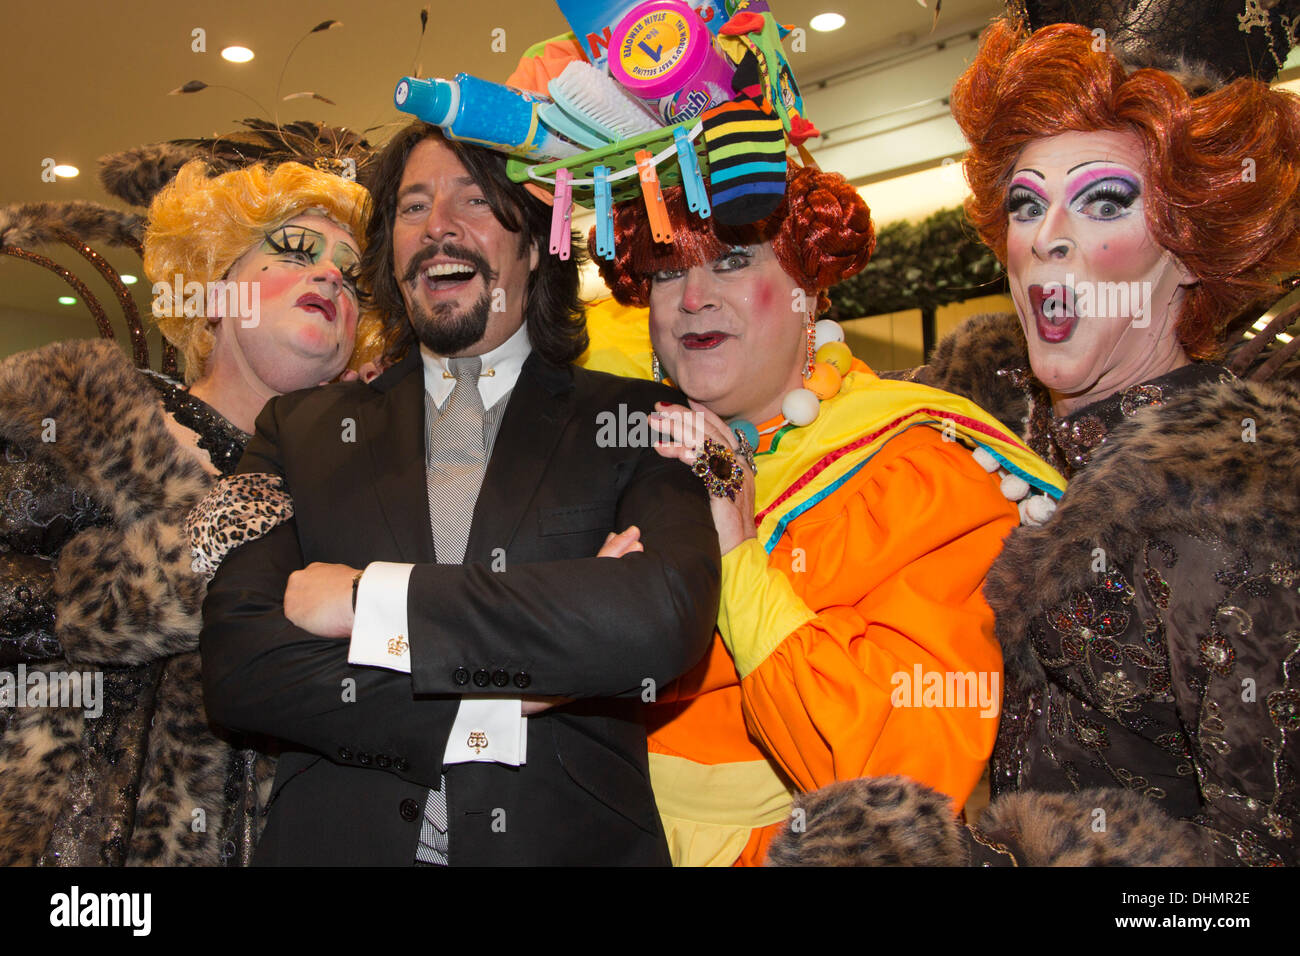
[[200, 225]]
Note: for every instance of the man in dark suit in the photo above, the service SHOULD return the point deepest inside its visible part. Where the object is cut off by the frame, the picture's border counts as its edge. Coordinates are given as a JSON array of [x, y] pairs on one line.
[[482, 710]]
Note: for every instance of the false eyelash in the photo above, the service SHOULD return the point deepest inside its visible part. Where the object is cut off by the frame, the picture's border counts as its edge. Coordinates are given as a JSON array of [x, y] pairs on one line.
[[289, 237], [1116, 190], [1121, 197], [353, 281], [1019, 195]]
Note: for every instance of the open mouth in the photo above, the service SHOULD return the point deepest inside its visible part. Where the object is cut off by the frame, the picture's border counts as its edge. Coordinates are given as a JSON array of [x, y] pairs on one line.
[[1054, 316], [444, 276], [703, 340], [315, 303]]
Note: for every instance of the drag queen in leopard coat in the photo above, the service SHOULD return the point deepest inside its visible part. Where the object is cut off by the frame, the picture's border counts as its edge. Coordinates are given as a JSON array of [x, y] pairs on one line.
[[99, 466], [1151, 626]]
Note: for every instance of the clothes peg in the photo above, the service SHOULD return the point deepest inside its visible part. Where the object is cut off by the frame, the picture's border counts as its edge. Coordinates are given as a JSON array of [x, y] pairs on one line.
[[604, 213], [697, 197], [562, 214], [660, 226]]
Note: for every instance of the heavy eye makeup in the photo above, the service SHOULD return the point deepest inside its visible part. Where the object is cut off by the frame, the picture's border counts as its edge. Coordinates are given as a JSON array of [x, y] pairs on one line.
[[295, 241], [1024, 203], [303, 245], [1107, 198], [737, 257]]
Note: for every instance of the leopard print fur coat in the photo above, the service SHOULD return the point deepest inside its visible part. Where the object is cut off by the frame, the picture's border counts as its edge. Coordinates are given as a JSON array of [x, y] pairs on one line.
[[147, 781]]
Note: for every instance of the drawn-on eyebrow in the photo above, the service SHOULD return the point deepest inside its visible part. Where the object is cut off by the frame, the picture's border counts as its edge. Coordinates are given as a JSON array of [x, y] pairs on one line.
[[1088, 163]]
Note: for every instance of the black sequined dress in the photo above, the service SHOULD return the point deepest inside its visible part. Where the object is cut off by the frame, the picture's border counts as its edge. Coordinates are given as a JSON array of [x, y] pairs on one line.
[[1152, 627]]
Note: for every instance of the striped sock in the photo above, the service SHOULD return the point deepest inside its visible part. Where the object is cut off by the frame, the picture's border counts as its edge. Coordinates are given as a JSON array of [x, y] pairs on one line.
[[745, 142]]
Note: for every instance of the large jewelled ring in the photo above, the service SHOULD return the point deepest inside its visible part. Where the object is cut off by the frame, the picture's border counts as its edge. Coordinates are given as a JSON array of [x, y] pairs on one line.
[[716, 464]]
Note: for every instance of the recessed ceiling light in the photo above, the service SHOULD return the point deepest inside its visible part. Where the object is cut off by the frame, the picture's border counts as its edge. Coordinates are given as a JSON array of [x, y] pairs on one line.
[[67, 300], [128, 279], [237, 54], [64, 171], [826, 22]]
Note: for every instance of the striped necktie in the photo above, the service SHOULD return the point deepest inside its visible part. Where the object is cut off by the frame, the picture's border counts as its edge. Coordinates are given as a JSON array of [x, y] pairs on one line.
[[455, 460]]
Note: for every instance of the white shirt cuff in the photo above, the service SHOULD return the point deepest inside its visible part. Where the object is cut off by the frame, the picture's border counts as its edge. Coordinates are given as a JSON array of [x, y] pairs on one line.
[[488, 730], [379, 634]]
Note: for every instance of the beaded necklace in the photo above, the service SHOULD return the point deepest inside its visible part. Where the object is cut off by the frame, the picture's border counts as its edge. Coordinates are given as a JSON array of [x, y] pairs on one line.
[[829, 360]]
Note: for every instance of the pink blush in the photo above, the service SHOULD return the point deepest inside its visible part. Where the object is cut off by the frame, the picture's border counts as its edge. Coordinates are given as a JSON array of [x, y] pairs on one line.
[[275, 283]]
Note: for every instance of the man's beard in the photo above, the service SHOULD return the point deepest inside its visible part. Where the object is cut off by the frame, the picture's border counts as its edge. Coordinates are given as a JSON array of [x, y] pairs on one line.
[[440, 329], [445, 332]]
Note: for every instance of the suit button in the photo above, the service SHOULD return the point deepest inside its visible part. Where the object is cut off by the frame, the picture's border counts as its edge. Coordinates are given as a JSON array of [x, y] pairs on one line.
[[363, 758], [401, 765], [345, 754], [500, 678], [522, 680], [409, 810], [460, 676], [481, 678], [383, 761]]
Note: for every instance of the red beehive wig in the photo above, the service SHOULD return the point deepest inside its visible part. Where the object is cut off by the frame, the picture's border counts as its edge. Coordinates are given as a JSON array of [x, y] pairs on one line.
[[1222, 169], [821, 234]]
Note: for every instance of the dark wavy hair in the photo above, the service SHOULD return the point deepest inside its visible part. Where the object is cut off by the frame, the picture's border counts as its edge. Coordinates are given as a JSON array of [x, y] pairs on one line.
[[1236, 233], [552, 309], [821, 234]]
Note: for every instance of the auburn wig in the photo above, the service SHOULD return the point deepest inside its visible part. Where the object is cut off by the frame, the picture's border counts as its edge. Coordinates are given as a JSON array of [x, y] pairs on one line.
[[1222, 169], [200, 225], [821, 234]]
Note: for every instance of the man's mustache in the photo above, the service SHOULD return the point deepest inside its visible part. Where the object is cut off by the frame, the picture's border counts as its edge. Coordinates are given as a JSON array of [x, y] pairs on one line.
[[451, 251]]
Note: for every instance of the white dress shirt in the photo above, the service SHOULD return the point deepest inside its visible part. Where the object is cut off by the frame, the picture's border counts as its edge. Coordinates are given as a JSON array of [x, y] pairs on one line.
[[490, 730]]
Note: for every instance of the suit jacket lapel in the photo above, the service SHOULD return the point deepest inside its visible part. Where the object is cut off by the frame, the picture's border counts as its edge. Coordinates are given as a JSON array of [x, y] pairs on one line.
[[539, 408], [392, 429]]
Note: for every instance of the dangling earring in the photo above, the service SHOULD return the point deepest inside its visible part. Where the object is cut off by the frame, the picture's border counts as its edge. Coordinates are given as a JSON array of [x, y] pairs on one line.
[[655, 370], [810, 332]]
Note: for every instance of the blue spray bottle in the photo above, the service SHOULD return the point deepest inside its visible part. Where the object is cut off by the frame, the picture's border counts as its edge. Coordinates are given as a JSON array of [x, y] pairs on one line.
[[489, 114]]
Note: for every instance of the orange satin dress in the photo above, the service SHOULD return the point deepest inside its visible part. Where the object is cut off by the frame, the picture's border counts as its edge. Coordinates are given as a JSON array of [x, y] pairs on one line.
[[882, 575]]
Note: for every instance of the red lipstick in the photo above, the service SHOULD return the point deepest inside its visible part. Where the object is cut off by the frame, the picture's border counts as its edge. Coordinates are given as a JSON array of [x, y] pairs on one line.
[[1054, 315], [313, 301], [703, 340]]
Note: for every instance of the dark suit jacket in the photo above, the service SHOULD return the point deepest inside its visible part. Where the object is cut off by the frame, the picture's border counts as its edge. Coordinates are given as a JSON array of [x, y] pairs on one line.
[[363, 744]]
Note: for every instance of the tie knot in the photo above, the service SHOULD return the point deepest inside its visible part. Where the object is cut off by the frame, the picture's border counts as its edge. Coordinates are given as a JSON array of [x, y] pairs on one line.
[[466, 368]]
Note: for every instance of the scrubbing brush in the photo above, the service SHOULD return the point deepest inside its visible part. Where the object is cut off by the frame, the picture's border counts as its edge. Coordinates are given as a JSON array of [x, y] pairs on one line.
[[588, 95]]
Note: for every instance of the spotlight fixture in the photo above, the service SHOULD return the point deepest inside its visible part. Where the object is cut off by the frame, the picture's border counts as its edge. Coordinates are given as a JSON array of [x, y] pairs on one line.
[[826, 22]]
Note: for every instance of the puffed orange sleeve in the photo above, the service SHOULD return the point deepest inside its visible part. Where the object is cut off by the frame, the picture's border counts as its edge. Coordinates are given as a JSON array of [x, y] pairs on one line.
[[860, 634]]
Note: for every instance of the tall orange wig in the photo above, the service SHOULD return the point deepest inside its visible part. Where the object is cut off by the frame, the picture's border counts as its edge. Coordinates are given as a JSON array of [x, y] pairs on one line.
[[821, 233], [1222, 169]]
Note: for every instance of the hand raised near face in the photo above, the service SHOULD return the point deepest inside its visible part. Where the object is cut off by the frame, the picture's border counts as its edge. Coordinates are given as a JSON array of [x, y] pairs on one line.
[[687, 429]]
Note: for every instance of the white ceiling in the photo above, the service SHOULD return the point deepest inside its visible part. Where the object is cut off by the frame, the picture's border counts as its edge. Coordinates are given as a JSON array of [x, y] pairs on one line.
[[83, 78]]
